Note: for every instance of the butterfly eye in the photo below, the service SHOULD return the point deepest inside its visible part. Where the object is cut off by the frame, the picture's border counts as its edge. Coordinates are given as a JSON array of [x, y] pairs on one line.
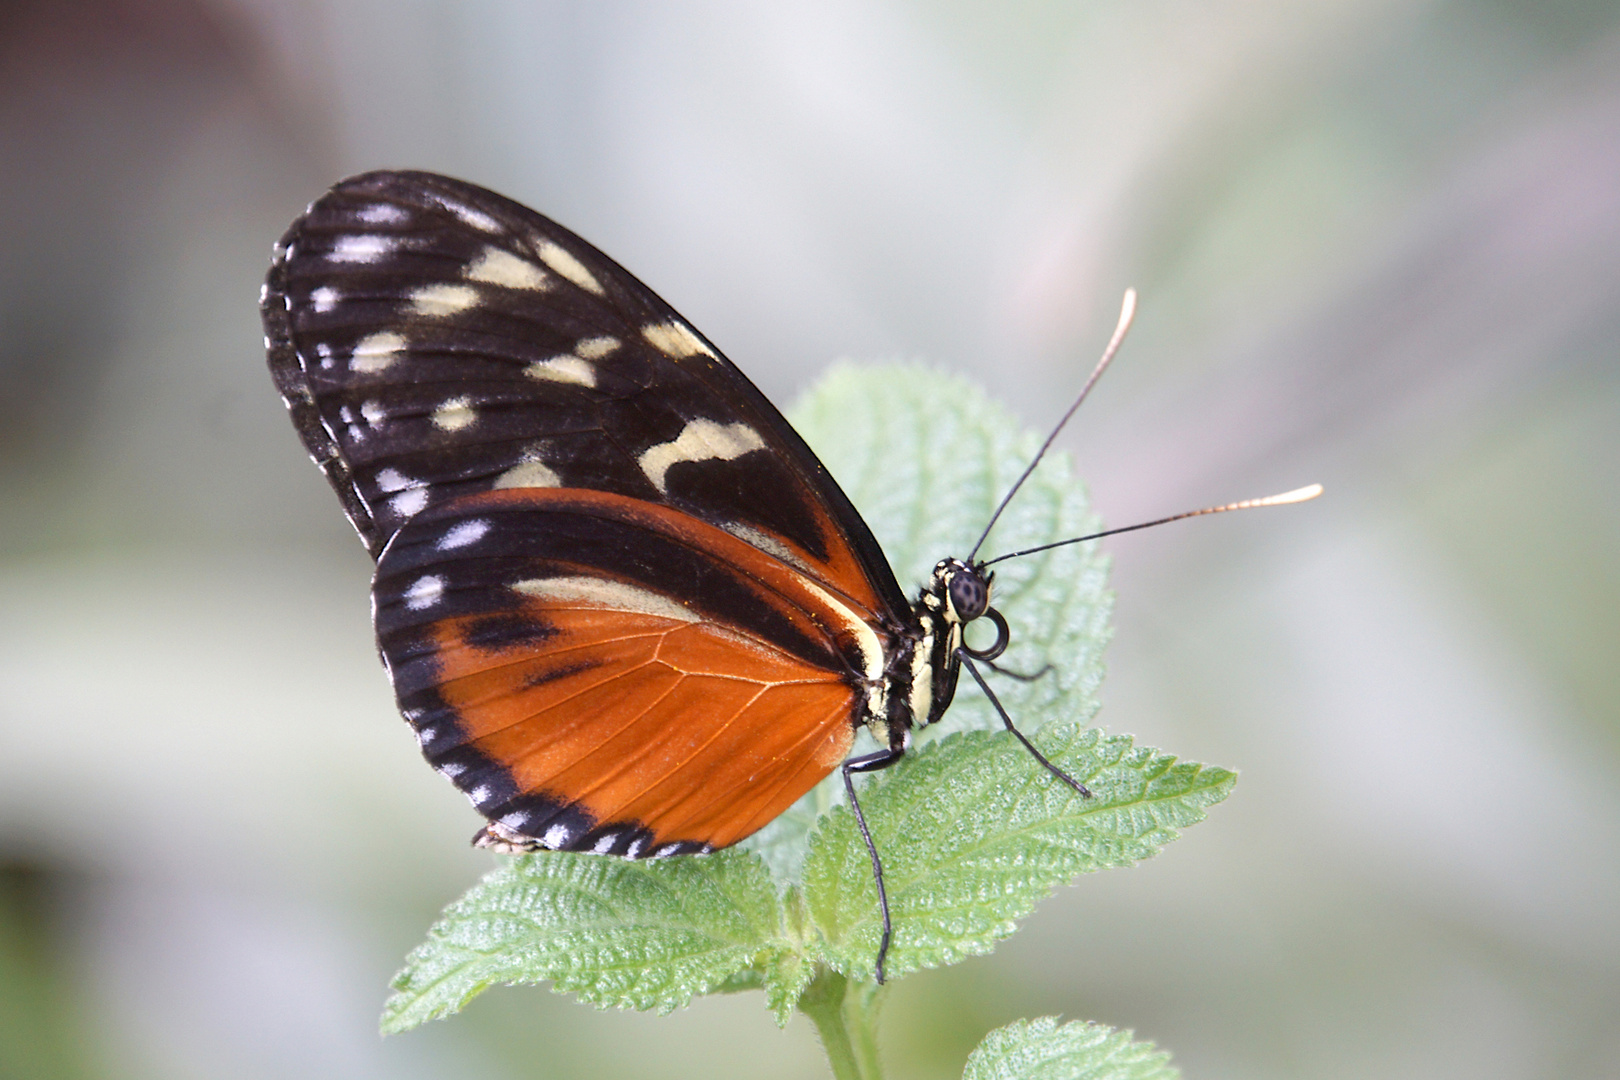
[[970, 594]]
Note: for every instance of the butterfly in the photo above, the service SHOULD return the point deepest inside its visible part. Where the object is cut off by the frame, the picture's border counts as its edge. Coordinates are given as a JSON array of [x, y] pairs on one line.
[[623, 606]]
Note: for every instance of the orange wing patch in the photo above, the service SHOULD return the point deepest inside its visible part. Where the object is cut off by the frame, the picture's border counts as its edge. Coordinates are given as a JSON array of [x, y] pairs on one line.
[[601, 673], [686, 729]]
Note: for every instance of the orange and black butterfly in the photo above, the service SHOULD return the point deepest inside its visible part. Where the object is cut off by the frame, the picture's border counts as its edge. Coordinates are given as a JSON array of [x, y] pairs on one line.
[[624, 607]]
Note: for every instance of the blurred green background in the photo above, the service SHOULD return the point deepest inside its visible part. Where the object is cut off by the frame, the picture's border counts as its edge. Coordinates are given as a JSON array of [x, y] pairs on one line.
[[1378, 244]]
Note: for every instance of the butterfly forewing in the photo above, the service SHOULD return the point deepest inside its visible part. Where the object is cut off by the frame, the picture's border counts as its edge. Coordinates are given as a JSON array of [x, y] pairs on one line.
[[622, 603], [434, 340]]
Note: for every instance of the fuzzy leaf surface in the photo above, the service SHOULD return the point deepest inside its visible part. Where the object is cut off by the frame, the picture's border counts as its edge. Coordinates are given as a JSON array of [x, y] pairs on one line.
[[974, 832], [639, 935], [1043, 1050]]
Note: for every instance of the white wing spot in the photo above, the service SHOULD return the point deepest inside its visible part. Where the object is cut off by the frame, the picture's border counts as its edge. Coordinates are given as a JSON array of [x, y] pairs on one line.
[[530, 474], [439, 300], [324, 298], [635, 847], [463, 534], [604, 843], [375, 352], [479, 795], [264, 292], [324, 351], [426, 735], [476, 218], [365, 248], [372, 413], [675, 340], [594, 348], [666, 851], [703, 440], [497, 266], [382, 214], [409, 503], [557, 837], [424, 592], [563, 262], [393, 480], [765, 542], [454, 414], [452, 769], [602, 593], [563, 369]]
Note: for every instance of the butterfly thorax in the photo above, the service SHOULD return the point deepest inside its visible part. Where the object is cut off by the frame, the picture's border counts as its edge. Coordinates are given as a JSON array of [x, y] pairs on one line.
[[928, 664]]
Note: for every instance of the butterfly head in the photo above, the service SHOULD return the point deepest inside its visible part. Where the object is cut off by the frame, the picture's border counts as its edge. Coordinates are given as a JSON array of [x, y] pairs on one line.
[[961, 593]]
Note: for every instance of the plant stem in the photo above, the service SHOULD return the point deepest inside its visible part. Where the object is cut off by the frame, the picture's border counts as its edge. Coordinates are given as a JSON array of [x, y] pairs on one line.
[[861, 1003], [845, 1016]]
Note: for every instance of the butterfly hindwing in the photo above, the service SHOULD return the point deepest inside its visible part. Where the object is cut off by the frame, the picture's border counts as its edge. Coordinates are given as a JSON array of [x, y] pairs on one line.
[[600, 673], [435, 340]]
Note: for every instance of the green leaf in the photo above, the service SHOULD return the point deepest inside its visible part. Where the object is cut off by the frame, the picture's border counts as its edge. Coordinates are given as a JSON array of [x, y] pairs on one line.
[[1041, 1050], [926, 456], [641, 935], [973, 832]]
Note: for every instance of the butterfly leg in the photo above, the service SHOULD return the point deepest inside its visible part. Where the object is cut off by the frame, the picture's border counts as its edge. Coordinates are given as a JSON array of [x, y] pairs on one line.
[[1011, 674], [882, 759], [967, 662]]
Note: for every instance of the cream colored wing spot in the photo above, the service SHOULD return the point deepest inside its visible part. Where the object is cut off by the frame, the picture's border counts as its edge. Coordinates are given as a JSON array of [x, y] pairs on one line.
[[441, 300], [675, 340], [324, 298], [563, 369], [872, 659], [703, 440], [375, 352], [497, 266], [765, 542], [529, 474], [594, 348], [455, 414], [563, 262], [602, 593]]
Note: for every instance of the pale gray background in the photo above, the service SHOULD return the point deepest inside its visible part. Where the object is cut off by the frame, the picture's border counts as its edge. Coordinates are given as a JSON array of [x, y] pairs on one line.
[[1378, 244]]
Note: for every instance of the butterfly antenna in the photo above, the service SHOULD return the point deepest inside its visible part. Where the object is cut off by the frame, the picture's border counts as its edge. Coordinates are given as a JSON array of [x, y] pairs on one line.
[[1298, 495], [1127, 312]]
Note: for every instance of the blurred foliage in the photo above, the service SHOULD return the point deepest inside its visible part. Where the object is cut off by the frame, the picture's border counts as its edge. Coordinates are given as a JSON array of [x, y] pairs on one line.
[[40, 1032]]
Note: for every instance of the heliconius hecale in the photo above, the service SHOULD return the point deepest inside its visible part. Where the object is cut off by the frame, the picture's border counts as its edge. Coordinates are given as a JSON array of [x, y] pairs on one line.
[[624, 607]]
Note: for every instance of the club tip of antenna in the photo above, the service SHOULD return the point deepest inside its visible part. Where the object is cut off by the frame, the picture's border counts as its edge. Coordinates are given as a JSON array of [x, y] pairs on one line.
[[1298, 495], [1127, 312]]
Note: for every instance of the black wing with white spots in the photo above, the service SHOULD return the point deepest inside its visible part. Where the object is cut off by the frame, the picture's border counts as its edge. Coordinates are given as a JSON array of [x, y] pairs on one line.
[[434, 340]]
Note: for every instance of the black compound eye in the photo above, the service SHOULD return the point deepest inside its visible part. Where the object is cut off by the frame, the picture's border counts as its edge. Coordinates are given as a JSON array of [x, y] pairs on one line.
[[970, 595]]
